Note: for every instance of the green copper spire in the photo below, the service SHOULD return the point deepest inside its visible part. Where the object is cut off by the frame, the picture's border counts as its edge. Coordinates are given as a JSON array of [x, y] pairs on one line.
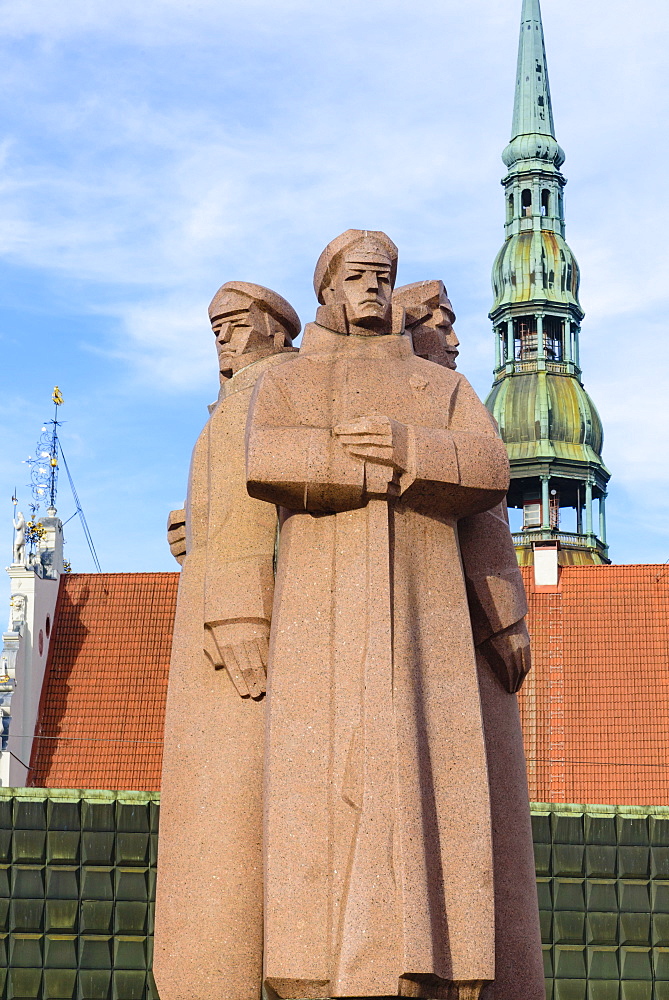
[[549, 424], [533, 111], [533, 130]]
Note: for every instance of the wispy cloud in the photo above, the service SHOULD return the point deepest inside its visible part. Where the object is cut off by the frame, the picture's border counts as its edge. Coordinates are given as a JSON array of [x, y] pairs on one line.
[[152, 151]]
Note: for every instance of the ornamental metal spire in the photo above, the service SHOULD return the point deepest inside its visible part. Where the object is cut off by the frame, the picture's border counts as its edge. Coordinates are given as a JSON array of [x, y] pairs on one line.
[[533, 111], [549, 424]]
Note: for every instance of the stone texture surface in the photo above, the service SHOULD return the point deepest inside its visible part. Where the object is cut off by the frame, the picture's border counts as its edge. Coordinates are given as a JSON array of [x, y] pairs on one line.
[[497, 606], [428, 320], [209, 893], [378, 843]]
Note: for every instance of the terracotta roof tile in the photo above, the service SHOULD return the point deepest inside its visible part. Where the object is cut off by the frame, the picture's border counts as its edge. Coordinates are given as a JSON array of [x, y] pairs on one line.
[[595, 707], [103, 701]]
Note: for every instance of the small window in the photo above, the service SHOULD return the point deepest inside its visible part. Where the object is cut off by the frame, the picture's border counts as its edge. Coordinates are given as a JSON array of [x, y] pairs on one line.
[[510, 209], [532, 515], [545, 202], [569, 276], [526, 202], [525, 338], [48, 626]]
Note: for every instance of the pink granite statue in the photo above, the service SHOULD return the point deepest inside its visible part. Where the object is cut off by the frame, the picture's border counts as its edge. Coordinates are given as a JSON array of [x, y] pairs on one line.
[[378, 845], [429, 320], [208, 935], [497, 608]]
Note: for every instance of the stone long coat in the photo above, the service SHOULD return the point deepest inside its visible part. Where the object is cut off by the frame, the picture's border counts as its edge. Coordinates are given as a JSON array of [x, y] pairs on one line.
[[497, 601], [378, 855], [208, 935]]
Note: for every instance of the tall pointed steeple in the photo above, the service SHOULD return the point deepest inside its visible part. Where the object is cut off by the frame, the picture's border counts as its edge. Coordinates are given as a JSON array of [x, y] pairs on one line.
[[532, 111], [548, 422]]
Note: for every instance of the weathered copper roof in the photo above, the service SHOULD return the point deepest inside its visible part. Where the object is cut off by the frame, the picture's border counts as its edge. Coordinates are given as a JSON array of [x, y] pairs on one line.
[[103, 702], [543, 415]]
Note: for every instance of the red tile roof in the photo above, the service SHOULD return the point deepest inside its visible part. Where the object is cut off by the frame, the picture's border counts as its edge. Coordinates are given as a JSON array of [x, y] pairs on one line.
[[103, 701], [595, 707]]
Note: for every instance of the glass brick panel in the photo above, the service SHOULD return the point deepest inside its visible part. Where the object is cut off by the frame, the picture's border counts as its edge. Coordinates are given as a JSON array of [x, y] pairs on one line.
[[568, 829], [95, 952], [61, 915], [569, 894], [601, 861], [567, 989], [636, 990], [569, 962], [633, 897], [603, 963], [633, 862], [602, 928], [129, 985], [26, 916], [569, 927], [635, 929], [600, 830], [96, 916], [97, 848], [661, 963], [24, 984], [633, 830], [60, 984], [60, 951], [63, 846], [603, 990], [94, 984], [62, 882], [635, 963], [29, 813], [568, 859], [64, 815], [28, 883]]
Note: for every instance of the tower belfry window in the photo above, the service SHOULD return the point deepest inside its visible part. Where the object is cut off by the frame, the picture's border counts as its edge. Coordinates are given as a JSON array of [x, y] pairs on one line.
[[545, 202], [510, 209], [553, 344], [525, 338], [526, 202]]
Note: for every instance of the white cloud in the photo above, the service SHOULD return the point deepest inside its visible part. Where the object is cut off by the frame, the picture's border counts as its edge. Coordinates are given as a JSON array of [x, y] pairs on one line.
[[153, 150]]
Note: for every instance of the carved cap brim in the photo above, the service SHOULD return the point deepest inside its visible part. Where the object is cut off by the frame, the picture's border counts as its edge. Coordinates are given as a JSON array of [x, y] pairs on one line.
[[372, 240], [272, 302]]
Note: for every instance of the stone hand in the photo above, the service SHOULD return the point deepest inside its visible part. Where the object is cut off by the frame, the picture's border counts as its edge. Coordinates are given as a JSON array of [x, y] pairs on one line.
[[508, 654], [176, 534], [376, 439], [241, 648]]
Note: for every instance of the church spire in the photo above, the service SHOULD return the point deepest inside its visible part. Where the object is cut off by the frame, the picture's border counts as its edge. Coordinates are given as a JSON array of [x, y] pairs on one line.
[[533, 111], [548, 422]]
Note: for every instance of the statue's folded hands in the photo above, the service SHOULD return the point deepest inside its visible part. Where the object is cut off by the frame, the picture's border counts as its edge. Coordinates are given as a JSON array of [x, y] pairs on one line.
[[376, 439], [241, 648]]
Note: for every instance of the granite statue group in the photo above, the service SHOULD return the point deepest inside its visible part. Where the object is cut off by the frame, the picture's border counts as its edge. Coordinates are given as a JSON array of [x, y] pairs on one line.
[[344, 806]]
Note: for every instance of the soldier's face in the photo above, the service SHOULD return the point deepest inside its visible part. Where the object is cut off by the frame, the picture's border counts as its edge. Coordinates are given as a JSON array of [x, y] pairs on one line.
[[435, 338], [238, 329], [366, 290]]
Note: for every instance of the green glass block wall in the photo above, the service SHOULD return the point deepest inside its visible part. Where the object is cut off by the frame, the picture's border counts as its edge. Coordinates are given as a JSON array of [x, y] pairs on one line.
[[603, 879], [77, 884], [77, 890]]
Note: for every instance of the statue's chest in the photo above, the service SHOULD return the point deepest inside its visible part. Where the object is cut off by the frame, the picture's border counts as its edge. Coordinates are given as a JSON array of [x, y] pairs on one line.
[[400, 390]]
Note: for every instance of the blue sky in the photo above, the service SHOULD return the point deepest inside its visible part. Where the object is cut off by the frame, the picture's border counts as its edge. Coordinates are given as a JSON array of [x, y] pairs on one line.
[[149, 152]]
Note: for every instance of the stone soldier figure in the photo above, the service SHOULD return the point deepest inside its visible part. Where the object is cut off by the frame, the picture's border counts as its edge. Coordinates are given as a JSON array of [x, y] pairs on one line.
[[208, 937], [497, 606], [429, 320], [378, 846]]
